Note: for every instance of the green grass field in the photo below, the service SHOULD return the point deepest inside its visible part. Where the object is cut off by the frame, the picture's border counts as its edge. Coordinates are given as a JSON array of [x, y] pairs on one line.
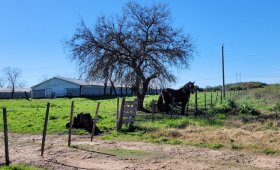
[[249, 120], [26, 116]]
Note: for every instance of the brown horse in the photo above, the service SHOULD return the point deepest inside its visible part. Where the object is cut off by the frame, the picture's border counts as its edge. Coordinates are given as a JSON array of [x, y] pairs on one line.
[[181, 95]]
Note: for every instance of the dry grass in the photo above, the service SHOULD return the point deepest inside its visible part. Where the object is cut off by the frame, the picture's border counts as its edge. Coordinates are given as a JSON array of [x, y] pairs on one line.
[[249, 137]]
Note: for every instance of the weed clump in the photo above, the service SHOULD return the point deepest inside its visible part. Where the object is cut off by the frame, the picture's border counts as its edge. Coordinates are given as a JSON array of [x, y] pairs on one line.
[[247, 108], [269, 151]]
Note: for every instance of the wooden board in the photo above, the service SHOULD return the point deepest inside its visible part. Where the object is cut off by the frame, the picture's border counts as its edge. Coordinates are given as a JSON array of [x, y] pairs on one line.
[[130, 109], [131, 120], [129, 114]]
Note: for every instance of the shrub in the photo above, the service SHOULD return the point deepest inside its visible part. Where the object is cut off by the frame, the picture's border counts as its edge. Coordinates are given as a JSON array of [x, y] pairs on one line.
[[246, 108], [276, 107], [225, 107]]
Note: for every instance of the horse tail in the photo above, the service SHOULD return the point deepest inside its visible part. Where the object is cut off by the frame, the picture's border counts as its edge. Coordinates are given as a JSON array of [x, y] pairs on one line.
[[160, 102]]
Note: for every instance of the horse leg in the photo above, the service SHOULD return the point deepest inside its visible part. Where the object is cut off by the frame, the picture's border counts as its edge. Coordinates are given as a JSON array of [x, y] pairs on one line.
[[183, 108]]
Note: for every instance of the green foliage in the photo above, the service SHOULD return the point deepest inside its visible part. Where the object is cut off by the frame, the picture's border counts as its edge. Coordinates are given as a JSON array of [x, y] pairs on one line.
[[18, 167], [206, 145], [270, 151], [247, 108], [215, 145], [276, 107], [238, 86], [225, 107]]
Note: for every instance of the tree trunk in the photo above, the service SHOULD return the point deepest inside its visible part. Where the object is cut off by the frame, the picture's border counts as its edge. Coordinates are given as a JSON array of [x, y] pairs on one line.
[[105, 87], [13, 93], [113, 88], [140, 99], [141, 96]]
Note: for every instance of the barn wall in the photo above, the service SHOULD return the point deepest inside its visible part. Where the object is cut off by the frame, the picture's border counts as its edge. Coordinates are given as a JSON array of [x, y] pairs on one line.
[[60, 88], [40, 93], [99, 91], [73, 92], [55, 87], [92, 91], [5, 95], [17, 95]]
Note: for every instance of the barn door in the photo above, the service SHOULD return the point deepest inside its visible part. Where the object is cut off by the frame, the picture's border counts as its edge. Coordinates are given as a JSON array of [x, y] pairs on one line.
[[48, 93]]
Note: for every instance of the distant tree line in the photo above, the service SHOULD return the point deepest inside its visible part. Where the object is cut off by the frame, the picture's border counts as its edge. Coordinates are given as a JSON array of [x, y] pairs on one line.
[[237, 86]]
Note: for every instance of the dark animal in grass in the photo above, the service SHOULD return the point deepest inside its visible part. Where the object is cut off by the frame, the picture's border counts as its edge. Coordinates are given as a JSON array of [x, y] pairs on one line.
[[84, 121], [182, 96]]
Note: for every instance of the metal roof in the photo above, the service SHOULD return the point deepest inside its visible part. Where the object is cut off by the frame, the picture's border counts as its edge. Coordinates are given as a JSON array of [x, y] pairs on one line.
[[79, 82]]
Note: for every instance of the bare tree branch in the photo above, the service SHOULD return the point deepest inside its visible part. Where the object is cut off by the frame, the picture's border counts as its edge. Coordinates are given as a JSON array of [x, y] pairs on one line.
[[135, 48], [2, 82], [13, 78]]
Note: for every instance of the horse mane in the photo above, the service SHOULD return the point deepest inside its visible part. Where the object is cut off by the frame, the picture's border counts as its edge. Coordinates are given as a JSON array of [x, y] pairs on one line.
[[185, 87]]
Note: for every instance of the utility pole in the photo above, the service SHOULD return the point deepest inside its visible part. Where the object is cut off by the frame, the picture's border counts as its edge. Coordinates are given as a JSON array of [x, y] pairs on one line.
[[223, 70]]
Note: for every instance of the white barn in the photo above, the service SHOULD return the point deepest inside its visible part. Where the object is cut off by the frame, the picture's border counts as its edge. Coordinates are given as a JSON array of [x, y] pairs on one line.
[[68, 87]]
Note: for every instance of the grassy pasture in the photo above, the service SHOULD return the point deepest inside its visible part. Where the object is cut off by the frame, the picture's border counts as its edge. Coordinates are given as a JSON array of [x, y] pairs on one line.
[[27, 116], [249, 121]]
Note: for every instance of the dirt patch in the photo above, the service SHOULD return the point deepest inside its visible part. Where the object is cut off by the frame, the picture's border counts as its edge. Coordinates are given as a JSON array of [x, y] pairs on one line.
[[101, 154]]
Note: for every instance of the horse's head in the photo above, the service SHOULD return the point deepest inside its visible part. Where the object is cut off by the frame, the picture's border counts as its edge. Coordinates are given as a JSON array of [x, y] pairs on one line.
[[190, 87]]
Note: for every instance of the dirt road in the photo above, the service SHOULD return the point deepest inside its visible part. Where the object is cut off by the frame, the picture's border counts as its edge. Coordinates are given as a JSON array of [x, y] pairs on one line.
[[100, 154]]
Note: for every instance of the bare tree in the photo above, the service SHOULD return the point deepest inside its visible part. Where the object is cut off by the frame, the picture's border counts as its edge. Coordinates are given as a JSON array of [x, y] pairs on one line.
[[135, 48], [13, 78], [2, 82]]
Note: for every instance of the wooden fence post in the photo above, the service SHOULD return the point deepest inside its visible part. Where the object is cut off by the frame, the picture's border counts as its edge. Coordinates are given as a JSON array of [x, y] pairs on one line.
[[6, 136], [211, 100], [221, 96], [205, 103], [117, 112], [94, 121], [216, 99], [172, 108], [45, 129], [153, 109], [70, 123], [120, 117], [196, 108]]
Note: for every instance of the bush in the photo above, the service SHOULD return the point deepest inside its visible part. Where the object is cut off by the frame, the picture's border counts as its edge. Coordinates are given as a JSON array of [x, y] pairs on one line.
[[225, 107], [246, 108], [276, 107]]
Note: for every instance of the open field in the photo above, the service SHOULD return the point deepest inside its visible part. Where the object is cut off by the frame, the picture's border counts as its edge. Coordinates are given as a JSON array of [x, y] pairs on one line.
[[247, 124]]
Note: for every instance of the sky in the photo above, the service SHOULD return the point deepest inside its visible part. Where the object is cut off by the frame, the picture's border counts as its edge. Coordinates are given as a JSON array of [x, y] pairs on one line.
[[32, 36]]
